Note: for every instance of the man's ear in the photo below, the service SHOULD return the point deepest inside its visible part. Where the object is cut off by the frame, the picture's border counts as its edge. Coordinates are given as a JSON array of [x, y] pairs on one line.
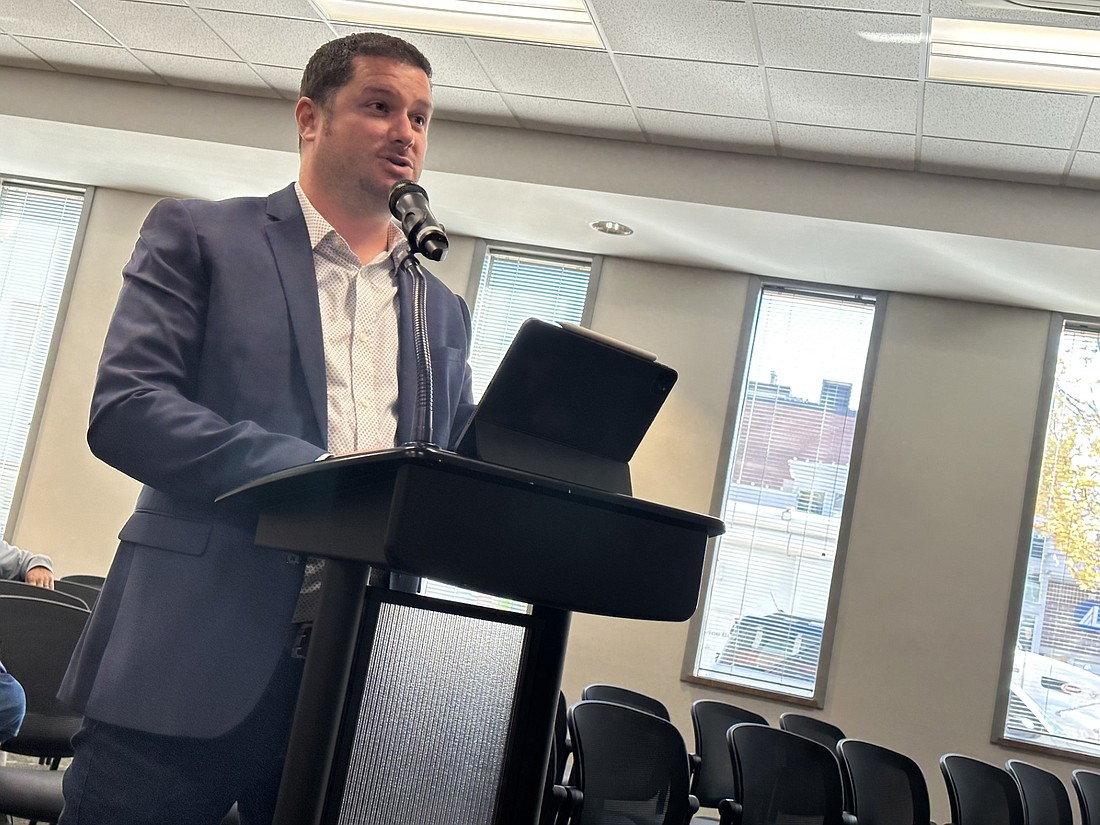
[[307, 114]]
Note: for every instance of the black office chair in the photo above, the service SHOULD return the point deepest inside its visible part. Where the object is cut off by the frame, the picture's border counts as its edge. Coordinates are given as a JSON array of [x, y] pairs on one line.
[[980, 793], [887, 787], [1046, 800], [84, 592], [85, 578], [37, 638], [781, 778], [822, 732], [812, 728], [13, 588], [1087, 786], [629, 767], [625, 696], [712, 778]]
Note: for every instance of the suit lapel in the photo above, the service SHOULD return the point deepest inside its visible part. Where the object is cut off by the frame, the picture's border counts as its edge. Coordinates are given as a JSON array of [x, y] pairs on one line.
[[289, 241]]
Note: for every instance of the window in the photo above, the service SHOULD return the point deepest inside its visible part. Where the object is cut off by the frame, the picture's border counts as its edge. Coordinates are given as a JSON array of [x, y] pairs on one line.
[[38, 231], [515, 284], [767, 591], [1052, 698]]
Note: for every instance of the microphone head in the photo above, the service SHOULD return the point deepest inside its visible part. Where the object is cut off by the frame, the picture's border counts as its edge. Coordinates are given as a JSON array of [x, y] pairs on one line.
[[398, 191]]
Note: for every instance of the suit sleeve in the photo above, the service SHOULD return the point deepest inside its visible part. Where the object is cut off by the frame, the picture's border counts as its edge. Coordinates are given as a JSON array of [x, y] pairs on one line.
[[145, 419]]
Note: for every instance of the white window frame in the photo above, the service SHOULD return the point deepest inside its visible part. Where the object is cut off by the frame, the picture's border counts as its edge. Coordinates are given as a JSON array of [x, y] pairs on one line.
[[740, 381], [1022, 583], [10, 519]]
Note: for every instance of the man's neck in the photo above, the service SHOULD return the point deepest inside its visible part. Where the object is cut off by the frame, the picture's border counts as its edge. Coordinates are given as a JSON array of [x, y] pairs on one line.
[[367, 234]]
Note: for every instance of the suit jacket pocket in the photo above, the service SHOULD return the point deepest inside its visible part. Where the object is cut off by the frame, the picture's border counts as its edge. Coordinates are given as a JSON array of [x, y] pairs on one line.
[[167, 532]]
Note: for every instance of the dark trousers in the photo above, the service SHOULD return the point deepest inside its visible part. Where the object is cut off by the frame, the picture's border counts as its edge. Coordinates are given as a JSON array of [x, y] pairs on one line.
[[123, 776]]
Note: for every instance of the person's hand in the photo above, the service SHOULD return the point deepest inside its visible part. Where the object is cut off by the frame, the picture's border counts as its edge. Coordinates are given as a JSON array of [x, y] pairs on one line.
[[40, 577]]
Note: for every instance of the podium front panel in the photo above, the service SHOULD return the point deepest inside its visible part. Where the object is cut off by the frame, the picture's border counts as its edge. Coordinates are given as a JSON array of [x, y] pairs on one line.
[[432, 706]]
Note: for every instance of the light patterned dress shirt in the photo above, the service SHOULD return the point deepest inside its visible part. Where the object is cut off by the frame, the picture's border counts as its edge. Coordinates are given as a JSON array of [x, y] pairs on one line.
[[359, 326]]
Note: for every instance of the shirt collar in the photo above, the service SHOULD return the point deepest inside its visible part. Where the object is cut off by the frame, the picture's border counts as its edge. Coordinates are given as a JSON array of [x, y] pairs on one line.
[[320, 230]]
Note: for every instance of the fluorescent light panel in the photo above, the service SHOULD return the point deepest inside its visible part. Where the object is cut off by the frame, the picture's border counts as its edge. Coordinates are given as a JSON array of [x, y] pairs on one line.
[[1012, 54], [557, 22]]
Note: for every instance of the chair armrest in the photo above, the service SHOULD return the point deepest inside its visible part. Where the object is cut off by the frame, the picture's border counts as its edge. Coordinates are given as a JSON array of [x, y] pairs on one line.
[[848, 819], [693, 807], [729, 812], [565, 801], [694, 761]]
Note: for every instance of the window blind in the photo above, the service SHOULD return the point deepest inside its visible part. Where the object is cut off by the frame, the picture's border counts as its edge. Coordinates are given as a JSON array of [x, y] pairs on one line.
[[514, 287], [768, 590], [38, 228], [1054, 688]]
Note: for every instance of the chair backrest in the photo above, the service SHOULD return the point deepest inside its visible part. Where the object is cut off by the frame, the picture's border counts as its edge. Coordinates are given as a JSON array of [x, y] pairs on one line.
[[625, 696], [84, 592], [887, 787], [631, 766], [37, 638], [29, 591], [1046, 800], [812, 728], [85, 578], [1087, 785], [713, 780], [980, 793], [782, 777]]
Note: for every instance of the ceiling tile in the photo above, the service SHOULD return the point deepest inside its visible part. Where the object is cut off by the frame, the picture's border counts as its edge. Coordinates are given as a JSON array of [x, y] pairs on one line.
[[273, 8], [175, 29], [728, 134], [575, 118], [1090, 138], [472, 106], [570, 74], [201, 73], [285, 81], [688, 29], [90, 59], [13, 53], [824, 143], [997, 115], [453, 61], [899, 6], [827, 40], [274, 41], [58, 19], [1027, 164], [868, 103], [1085, 171], [702, 88]]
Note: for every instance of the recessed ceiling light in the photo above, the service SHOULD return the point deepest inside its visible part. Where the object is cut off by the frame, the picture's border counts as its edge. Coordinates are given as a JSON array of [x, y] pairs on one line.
[[556, 22], [1013, 54], [611, 228]]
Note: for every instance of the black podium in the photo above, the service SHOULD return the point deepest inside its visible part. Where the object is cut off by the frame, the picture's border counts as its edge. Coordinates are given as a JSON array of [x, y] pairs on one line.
[[422, 711], [424, 511]]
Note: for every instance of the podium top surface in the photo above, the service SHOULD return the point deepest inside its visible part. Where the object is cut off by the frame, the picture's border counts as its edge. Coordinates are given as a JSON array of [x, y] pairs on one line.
[[322, 479], [429, 512]]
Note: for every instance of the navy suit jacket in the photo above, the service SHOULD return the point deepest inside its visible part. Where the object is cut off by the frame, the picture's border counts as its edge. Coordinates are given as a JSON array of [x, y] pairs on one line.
[[212, 375]]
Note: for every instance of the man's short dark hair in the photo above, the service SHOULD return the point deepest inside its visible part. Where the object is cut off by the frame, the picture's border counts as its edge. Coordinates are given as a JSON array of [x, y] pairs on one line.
[[332, 65]]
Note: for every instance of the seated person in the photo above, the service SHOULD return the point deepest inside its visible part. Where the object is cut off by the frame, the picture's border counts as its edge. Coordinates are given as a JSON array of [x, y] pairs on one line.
[[13, 704], [24, 566]]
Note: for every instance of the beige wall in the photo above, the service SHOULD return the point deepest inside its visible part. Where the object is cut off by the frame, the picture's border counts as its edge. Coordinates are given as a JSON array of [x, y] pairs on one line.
[[926, 587]]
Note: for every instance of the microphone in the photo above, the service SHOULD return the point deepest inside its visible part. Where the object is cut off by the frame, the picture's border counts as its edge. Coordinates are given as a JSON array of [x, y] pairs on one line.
[[426, 235]]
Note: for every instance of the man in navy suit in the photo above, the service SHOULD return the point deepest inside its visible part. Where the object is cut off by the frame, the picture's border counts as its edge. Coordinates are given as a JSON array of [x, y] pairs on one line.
[[251, 335]]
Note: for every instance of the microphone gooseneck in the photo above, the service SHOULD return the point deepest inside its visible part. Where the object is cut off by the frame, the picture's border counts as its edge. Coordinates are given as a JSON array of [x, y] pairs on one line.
[[409, 205]]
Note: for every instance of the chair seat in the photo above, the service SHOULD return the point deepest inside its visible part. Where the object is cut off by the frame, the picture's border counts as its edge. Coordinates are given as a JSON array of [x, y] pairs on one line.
[[44, 736], [28, 793]]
